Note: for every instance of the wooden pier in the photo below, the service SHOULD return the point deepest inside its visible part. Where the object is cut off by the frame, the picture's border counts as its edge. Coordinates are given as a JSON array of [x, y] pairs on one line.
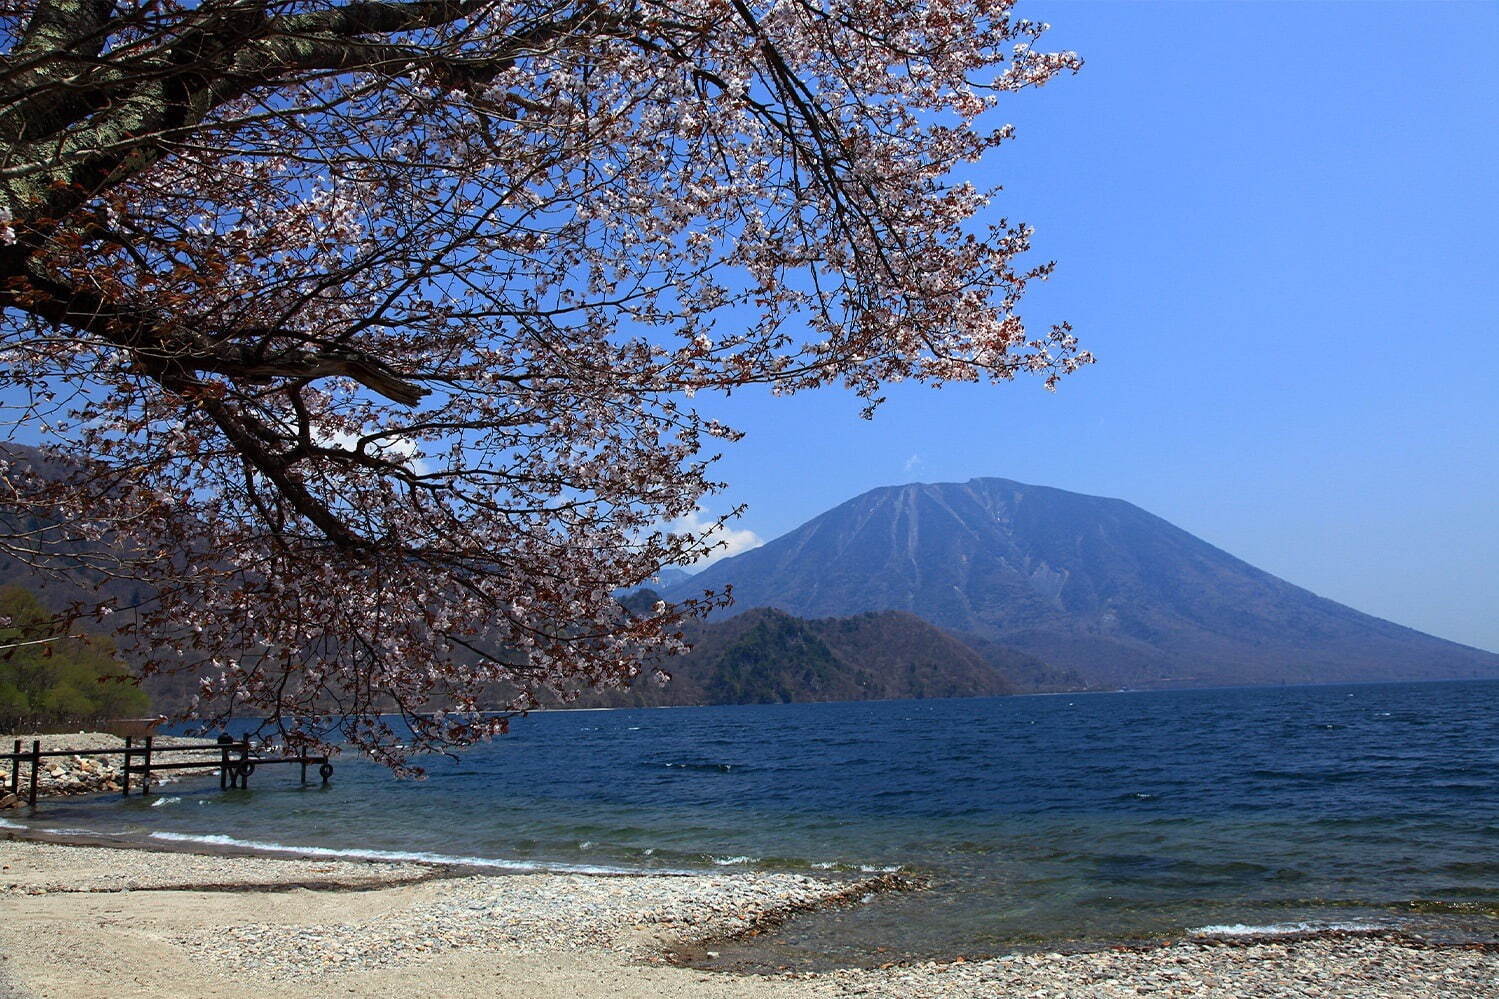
[[234, 759]]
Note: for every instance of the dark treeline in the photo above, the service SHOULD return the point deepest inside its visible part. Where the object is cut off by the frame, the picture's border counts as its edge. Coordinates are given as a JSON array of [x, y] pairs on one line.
[[52, 677]]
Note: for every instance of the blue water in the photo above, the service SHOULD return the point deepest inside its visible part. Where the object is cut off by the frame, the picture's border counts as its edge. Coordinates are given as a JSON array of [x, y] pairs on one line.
[[1041, 821]]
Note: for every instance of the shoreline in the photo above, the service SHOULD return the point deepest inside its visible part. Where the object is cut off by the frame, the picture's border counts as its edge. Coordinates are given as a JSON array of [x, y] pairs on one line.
[[132, 922], [424, 867], [883, 879], [855, 883], [226, 846]]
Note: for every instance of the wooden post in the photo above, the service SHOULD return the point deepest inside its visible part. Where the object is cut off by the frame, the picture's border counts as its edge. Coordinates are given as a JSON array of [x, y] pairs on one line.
[[146, 770], [15, 770], [225, 740], [129, 756], [36, 764], [244, 763]]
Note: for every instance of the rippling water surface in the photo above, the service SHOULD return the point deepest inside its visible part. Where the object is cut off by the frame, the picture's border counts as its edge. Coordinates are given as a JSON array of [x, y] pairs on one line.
[[1042, 821]]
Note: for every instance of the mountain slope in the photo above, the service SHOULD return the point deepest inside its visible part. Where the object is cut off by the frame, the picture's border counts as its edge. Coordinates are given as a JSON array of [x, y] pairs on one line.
[[1093, 584]]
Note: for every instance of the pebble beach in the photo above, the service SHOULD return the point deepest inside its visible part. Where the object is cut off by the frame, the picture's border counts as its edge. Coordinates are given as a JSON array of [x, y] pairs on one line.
[[87, 921]]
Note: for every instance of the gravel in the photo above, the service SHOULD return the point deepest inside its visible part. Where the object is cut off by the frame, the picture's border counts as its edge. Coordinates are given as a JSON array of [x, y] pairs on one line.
[[1345, 967], [33, 868], [641, 917]]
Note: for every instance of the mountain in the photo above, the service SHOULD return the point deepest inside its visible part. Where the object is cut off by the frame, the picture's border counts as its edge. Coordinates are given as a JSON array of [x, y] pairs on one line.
[[755, 658], [767, 656], [1095, 585], [669, 576]]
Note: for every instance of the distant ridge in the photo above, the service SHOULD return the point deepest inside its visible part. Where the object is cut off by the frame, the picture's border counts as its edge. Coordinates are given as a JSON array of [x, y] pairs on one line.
[[1095, 585], [669, 576]]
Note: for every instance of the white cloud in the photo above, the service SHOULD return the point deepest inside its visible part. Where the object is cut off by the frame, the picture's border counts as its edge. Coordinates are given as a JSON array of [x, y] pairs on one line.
[[396, 448], [731, 540], [912, 464]]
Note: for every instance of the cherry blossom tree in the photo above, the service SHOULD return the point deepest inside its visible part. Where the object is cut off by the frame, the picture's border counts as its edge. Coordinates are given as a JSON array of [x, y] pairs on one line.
[[369, 337]]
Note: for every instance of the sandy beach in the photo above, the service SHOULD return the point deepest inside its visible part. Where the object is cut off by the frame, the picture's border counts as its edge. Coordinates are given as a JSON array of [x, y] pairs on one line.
[[86, 921]]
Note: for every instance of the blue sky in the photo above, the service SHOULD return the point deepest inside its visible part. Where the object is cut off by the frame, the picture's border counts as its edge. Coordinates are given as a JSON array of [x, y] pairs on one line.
[[1275, 224]]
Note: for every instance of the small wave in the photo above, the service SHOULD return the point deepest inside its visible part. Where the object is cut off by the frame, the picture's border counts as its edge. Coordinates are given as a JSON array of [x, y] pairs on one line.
[[46, 831], [731, 861], [1437, 907], [719, 767], [824, 865], [400, 856], [871, 869], [1281, 929], [164, 801]]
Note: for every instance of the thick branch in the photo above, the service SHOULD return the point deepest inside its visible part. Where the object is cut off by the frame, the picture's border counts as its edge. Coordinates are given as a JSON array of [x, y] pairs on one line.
[[74, 27], [173, 356]]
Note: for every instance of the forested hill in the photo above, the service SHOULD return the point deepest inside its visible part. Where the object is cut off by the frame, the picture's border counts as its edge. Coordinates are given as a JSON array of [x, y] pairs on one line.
[[1085, 583], [768, 656]]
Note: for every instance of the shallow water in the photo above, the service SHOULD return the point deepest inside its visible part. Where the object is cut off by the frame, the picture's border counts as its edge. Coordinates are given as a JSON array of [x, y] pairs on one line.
[[1069, 820]]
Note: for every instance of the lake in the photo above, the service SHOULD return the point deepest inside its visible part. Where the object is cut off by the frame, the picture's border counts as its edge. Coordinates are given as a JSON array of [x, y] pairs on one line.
[[1074, 820]]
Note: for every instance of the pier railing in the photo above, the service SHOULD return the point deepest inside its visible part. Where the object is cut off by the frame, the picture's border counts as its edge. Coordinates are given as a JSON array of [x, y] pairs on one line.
[[234, 759]]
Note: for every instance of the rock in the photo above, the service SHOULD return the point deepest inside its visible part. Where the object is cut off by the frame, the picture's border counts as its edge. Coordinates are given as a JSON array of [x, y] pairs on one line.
[[8, 800]]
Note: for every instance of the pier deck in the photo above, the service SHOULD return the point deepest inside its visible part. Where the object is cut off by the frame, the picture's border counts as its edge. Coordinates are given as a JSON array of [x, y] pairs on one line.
[[234, 759]]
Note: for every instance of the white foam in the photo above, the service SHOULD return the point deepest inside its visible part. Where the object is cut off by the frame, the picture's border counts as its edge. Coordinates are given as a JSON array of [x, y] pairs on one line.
[[868, 869], [1278, 929], [5, 824], [164, 801], [403, 856], [53, 832], [730, 861]]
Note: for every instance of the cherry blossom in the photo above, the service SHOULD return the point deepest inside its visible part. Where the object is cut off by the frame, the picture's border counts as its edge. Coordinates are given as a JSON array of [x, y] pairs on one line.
[[372, 339]]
